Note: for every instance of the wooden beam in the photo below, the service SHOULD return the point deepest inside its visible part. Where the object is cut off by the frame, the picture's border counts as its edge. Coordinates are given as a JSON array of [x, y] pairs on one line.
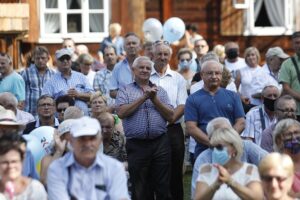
[[166, 9]]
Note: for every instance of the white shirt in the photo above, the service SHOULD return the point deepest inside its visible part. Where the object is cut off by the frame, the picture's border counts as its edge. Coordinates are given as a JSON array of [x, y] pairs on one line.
[[174, 84], [247, 88], [90, 76], [253, 128], [233, 67], [24, 117]]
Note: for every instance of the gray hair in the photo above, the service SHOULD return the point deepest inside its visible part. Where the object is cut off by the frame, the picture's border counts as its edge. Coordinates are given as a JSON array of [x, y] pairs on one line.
[[7, 96], [209, 62], [209, 56], [219, 122], [139, 59], [73, 112], [228, 135], [279, 130]]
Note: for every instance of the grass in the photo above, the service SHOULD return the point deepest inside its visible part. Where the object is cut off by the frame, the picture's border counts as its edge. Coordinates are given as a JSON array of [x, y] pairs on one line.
[[187, 185]]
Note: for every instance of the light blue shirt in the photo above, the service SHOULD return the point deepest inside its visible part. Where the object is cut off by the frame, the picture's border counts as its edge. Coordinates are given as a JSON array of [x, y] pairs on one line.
[[28, 168], [104, 179], [58, 86], [252, 154], [121, 75], [14, 84]]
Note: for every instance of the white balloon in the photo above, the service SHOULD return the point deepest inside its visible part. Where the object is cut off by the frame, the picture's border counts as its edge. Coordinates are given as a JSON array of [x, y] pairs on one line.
[[173, 29], [152, 29]]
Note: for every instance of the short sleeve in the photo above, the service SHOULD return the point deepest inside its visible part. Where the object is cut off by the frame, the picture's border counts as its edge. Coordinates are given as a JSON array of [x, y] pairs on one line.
[[285, 72], [251, 174], [190, 110], [207, 174]]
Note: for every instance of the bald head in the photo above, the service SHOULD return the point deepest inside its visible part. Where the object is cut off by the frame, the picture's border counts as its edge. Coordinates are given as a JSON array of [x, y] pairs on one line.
[[8, 101]]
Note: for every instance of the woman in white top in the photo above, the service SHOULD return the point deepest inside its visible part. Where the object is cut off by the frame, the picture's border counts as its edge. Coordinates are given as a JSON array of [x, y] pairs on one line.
[[246, 76], [228, 177]]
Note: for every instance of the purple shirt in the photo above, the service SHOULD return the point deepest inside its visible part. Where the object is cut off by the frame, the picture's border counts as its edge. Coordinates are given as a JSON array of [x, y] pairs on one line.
[[267, 138], [146, 122]]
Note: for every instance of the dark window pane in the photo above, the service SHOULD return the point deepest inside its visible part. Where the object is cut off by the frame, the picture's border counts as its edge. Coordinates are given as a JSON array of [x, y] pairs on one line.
[[52, 23], [96, 23], [51, 4], [74, 4], [74, 23], [96, 4]]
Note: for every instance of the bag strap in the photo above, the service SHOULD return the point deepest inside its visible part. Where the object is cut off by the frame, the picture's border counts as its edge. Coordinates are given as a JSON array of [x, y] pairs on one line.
[[262, 119], [296, 67]]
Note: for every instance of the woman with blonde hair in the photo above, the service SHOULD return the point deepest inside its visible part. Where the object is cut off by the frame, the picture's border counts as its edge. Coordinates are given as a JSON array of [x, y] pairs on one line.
[[228, 177], [246, 75], [99, 105], [277, 172]]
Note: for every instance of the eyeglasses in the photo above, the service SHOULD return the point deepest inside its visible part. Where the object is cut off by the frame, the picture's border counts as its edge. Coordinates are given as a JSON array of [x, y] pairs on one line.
[[161, 42], [45, 105], [59, 110], [9, 162], [213, 73], [268, 178], [286, 111], [182, 60], [65, 57], [219, 147]]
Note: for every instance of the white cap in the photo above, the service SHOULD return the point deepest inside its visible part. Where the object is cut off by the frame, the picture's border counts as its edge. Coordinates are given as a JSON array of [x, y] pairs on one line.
[[65, 126], [85, 126], [276, 51], [61, 52]]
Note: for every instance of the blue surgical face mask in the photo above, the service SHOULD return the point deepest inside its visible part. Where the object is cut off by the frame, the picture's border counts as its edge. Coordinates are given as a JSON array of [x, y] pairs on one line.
[[220, 156], [184, 64], [292, 145]]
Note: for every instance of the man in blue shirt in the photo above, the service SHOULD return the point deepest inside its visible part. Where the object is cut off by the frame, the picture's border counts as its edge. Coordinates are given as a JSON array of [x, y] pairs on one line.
[[145, 109], [85, 173], [122, 73], [68, 82], [210, 102]]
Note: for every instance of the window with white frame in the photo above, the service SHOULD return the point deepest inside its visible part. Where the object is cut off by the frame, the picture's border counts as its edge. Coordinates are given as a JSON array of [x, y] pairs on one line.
[[82, 20], [269, 17]]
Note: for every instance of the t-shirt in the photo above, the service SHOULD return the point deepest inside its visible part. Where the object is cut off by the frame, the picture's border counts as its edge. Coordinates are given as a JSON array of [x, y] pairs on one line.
[[288, 74], [201, 107], [242, 177], [13, 83]]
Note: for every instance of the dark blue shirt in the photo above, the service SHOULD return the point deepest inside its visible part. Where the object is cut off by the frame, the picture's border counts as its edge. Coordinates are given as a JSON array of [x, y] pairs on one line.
[[146, 122], [201, 107]]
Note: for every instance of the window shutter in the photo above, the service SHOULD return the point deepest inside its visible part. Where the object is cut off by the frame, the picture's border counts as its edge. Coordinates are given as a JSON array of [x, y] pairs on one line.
[[232, 19]]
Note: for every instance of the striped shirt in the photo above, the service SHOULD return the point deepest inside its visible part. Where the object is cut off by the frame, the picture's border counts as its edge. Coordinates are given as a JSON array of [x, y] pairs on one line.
[[146, 122], [34, 83], [174, 84], [58, 86], [101, 83]]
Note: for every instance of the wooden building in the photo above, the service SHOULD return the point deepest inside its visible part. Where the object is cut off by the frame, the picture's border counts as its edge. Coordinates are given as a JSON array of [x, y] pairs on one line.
[[46, 22]]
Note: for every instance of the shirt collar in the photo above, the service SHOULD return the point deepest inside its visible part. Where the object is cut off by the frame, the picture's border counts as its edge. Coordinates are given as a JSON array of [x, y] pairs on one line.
[[37, 123], [70, 160], [168, 72]]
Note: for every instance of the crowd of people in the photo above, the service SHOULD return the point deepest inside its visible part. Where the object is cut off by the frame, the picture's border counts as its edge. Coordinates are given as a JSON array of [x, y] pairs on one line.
[[121, 124]]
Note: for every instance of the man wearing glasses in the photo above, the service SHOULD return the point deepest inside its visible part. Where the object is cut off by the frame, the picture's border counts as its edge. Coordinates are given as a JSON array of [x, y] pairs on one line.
[[285, 107], [68, 82], [210, 102], [45, 112]]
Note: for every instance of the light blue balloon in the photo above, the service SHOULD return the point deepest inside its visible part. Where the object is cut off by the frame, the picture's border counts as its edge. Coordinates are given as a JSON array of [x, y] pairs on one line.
[[35, 147], [174, 29]]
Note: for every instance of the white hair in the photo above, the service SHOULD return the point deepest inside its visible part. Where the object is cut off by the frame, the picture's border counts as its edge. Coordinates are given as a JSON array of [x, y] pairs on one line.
[[217, 123], [139, 59], [207, 63]]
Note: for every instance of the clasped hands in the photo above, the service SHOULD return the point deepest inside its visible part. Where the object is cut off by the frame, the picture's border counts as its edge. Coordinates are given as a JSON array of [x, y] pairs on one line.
[[224, 176], [150, 92]]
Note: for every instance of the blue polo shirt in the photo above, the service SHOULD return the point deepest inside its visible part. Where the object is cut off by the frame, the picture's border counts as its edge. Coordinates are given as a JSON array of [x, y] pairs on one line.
[[201, 107]]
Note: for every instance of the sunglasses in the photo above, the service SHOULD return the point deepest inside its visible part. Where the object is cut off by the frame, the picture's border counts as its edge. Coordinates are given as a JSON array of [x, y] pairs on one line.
[[218, 147], [61, 110], [269, 179], [161, 42], [65, 57]]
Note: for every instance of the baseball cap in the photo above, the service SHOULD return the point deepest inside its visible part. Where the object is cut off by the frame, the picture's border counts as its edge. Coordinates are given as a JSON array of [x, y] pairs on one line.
[[85, 126], [61, 52], [276, 51], [8, 118], [65, 127]]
